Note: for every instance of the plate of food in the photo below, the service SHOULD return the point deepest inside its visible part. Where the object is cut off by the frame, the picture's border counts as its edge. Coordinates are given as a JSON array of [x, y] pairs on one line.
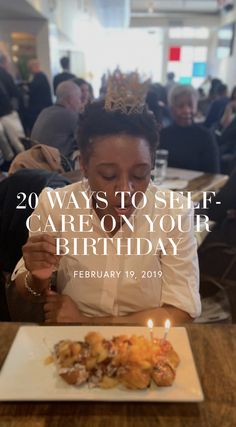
[[103, 363]]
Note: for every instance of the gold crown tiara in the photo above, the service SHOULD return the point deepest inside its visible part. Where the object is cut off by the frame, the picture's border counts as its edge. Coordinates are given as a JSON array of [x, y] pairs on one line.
[[126, 93]]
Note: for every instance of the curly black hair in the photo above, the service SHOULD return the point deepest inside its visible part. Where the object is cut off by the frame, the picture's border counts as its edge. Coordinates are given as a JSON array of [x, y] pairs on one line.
[[96, 121]]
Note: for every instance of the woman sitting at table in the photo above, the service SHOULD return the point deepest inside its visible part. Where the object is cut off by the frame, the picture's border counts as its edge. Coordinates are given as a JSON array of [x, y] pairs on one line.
[[190, 146], [102, 277]]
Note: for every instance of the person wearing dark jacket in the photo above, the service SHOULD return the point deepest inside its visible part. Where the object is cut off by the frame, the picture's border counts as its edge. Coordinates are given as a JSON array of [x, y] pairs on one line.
[[227, 139], [57, 125], [5, 104], [217, 107], [190, 146], [39, 92], [7, 83], [64, 75], [217, 253]]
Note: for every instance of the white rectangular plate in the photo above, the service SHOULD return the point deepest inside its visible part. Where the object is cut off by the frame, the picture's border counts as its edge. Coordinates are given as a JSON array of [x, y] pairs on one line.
[[25, 377], [175, 184]]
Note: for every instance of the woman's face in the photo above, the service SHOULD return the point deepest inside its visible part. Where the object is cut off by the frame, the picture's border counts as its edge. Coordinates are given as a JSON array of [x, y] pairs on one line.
[[184, 109], [119, 163]]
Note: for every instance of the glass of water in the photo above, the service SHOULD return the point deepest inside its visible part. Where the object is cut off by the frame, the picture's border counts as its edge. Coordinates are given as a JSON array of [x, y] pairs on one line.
[[160, 168]]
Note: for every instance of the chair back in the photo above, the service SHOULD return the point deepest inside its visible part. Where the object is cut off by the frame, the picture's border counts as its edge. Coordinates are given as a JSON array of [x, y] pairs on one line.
[[39, 156]]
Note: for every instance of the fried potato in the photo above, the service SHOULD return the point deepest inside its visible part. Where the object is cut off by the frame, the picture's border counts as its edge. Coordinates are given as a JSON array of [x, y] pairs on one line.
[[163, 374], [134, 378], [131, 361]]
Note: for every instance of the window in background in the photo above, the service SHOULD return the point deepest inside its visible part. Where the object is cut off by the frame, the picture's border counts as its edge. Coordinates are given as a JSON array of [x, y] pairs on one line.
[[128, 49], [186, 69], [197, 82], [187, 53], [185, 80], [188, 63], [225, 41], [200, 54], [199, 69], [174, 53], [189, 33]]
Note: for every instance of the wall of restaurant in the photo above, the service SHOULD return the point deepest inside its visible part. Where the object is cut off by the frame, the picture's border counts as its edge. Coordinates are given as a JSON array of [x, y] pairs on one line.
[[183, 43], [37, 28], [63, 32], [56, 32], [67, 20], [64, 14], [178, 21], [75, 34]]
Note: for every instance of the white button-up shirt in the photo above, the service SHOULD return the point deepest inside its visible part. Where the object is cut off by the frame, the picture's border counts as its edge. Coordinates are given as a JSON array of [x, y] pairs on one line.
[[116, 284]]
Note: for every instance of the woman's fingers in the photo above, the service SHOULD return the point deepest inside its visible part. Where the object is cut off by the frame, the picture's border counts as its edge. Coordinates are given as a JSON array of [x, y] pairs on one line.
[[60, 308], [39, 254], [53, 301], [35, 265], [42, 237], [52, 307], [48, 307], [40, 245], [50, 317], [42, 256], [40, 269]]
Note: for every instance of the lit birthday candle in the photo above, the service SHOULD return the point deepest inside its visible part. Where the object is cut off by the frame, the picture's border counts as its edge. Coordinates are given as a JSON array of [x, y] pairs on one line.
[[150, 327], [167, 328]]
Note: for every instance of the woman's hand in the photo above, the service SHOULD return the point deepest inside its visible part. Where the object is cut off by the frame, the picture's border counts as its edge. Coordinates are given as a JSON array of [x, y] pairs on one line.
[[61, 309], [40, 257]]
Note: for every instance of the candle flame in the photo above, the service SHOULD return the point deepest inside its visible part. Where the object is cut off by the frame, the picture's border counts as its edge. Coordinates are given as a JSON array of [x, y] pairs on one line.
[[150, 324], [167, 324]]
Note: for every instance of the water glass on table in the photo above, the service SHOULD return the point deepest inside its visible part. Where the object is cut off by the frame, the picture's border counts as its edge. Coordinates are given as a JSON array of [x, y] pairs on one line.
[[160, 168]]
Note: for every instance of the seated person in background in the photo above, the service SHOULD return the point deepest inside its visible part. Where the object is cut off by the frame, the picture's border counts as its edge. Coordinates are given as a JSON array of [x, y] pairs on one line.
[[117, 140], [227, 136], [215, 83], [190, 146], [64, 75], [57, 125], [230, 111], [157, 103], [227, 146], [217, 107], [202, 105], [218, 212], [217, 253], [85, 91]]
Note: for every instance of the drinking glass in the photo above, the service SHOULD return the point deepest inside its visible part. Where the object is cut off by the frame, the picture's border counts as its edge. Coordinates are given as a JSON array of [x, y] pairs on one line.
[[160, 168]]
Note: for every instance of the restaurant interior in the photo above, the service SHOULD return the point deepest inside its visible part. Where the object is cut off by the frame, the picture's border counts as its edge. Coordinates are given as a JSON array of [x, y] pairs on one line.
[[117, 213]]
